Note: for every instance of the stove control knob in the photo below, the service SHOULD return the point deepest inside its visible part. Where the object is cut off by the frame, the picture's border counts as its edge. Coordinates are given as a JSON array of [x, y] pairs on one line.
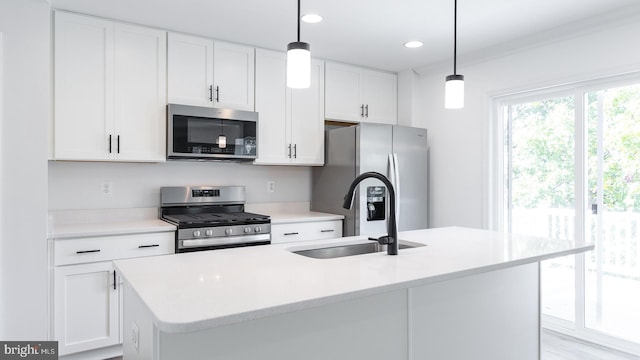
[[257, 229], [196, 233], [228, 231], [208, 232], [247, 230]]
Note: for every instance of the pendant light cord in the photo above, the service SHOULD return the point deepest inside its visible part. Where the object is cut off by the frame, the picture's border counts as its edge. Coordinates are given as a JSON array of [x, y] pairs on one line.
[[298, 20], [455, 34]]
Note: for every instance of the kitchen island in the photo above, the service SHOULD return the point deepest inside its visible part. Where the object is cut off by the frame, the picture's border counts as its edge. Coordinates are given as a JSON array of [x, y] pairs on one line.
[[466, 294]]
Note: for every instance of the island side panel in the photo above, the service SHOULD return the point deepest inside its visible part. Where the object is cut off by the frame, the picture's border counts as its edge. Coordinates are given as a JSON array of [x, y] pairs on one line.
[[496, 315], [374, 327], [139, 331]]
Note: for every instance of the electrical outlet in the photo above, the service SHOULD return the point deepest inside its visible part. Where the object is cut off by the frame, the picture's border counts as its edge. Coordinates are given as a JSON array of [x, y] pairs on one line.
[[271, 186], [135, 335], [106, 188]]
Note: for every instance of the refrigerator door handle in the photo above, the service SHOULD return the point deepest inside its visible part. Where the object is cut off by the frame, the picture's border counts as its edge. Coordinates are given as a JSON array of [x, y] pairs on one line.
[[393, 177], [392, 170], [396, 169]]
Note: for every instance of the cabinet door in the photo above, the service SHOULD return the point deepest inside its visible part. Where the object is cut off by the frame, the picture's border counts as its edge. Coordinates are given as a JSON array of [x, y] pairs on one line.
[[343, 96], [271, 106], [307, 119], [83, 87], [380, 96], [140, 90], [190, 70], [233, 76], [86, 313]]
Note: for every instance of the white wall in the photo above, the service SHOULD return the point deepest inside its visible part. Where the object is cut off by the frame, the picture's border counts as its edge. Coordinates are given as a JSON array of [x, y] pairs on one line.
[[458, 138], [23, 183], [77, 185]]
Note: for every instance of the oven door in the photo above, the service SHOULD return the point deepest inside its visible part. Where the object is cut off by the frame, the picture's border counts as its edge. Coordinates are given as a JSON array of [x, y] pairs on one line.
[[215, 243], [211, 134]]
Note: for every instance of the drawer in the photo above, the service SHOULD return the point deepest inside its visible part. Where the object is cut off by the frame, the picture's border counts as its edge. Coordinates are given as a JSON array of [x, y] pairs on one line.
[[304, 231], [104, 248]]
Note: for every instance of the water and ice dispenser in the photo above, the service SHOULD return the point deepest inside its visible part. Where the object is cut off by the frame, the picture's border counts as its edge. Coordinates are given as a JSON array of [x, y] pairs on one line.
[[376, 203]]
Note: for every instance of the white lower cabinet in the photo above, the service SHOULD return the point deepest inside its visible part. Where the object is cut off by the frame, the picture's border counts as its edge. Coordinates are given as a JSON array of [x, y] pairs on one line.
[[86, 303], [86, 308], [304, 231]]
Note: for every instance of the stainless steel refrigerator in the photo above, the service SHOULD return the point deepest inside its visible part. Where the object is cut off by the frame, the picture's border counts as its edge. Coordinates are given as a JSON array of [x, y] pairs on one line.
[[398, 152]]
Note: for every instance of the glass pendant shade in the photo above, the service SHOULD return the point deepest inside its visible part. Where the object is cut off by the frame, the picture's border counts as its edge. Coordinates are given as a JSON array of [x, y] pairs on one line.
[[298, 65], [454, 92]]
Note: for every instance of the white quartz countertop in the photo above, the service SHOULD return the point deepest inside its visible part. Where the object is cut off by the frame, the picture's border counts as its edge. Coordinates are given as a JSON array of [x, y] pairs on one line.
[[305, 216], [195, 291], [284, 213], [105, 222], [110, 228]]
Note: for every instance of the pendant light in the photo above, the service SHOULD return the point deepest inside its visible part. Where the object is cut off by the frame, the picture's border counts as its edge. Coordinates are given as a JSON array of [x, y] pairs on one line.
[[454, 86], [298, 62]]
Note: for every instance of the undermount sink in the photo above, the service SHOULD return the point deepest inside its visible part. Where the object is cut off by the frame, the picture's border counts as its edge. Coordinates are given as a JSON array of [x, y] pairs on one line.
[[331, 252]]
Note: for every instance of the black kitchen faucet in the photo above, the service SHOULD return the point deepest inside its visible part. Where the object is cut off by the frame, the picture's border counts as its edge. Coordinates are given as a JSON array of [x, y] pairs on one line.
[[391, 239]]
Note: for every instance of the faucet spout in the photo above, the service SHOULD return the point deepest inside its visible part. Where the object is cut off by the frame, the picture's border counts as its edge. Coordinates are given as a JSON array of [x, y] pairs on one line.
[[392, 233]]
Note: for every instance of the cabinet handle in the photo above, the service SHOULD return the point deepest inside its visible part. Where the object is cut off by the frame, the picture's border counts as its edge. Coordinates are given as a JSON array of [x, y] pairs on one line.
[[295, 151], [114, 279], [289, 152], [367, 110], [291, 233], [217, 94], [109, 143], [87, 251], [148, 246], [362, 110], [118, 142], [329, 230], [211, 93]]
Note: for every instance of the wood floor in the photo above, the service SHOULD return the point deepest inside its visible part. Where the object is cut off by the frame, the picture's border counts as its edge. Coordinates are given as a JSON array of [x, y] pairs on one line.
[[556, 346]]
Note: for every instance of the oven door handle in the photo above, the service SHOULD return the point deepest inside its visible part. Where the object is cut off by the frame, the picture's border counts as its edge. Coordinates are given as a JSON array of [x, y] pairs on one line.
[[224, 240]]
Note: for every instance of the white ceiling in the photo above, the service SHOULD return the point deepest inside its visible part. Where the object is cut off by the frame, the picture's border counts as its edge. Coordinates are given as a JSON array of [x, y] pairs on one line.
[[369, 32]]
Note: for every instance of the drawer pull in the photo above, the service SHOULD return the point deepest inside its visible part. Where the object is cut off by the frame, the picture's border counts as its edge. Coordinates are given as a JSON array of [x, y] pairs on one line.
[[291, 233], [148, 246], [87, 251], [329, 230]]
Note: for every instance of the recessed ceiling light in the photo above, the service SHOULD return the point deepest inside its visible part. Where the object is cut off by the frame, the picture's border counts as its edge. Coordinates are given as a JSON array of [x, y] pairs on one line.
[[413, 44], [312, 18]]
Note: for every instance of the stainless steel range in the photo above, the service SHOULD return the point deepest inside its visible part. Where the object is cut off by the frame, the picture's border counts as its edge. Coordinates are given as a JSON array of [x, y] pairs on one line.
[[212, 217]]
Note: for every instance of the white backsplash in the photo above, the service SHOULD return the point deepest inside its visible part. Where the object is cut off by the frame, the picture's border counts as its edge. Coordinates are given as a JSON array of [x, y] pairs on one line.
[[79, 185]]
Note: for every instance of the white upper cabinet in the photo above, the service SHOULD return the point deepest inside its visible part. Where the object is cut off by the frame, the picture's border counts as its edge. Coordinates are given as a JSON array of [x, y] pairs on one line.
[[380, 97], [140, 93], [343, 92], [360, 95], [83, 87], [291, 121], [271, 105], [233, 76], [207, 73], [109, 90], [307, 119], [190, 62]]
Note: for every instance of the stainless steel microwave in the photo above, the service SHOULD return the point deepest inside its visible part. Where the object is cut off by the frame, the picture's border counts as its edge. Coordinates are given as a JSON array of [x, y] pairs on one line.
[[202, 133]]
